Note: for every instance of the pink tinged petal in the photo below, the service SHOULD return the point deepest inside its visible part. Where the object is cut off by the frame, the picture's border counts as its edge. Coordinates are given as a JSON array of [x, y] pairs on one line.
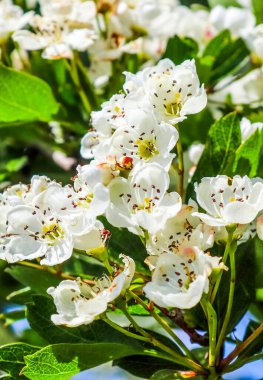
[[168, 297], [57, 51], [260, 227]]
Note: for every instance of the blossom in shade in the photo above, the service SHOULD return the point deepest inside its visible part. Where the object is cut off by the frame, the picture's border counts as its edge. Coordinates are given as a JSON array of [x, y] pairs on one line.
[[180, 279], [79, 303]]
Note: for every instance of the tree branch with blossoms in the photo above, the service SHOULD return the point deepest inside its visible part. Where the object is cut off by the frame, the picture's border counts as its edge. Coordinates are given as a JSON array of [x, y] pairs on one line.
[[128, 262]]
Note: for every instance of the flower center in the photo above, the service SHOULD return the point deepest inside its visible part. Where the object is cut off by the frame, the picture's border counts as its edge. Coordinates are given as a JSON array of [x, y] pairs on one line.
[[52, 232], [173, 107], [146, 148]]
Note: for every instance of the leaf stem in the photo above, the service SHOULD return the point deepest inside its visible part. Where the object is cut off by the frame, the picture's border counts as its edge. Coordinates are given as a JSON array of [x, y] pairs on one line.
[[164, 325], [123, 330], [52, 271], [212, 326], [241, 347], [73, 71], [177, 357], [180, 167], [225, 256], [232, 251], [90, 89]]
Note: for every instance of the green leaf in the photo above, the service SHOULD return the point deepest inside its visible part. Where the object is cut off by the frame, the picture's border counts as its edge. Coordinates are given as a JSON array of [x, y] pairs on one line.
[[25, 97], [259, 260], [144, 366], [248, 156], [36, 279], [258, 10], [12, 358], [16, 164], [123, 241], [229, 60], [179, 49], [217, 44], [61, 361], [224, 3], [223, 140]]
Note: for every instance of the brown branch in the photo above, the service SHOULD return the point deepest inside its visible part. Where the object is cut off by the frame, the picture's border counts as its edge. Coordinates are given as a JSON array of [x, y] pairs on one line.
[[177, 317]]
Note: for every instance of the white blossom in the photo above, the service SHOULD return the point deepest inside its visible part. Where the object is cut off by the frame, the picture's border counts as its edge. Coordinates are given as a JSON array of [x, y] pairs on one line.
[[248, 128], [183, 230], [171, 91], [33, 234], [229, 201], [78, 303], [142, 201], [180, 279], [145, 140], [239, 21], [254, 40], [56, 39], [12, 18]]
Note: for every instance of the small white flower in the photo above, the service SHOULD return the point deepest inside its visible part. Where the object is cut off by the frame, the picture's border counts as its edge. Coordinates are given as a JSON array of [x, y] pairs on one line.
[[179, 280], [183, 230], [12, 18], [229, 201], [78, 303], [239, 21], [142, 202], [173, 91], [33, 234], [248, 128], [246, 90], [254, 40], [57, 39], [145, 140]]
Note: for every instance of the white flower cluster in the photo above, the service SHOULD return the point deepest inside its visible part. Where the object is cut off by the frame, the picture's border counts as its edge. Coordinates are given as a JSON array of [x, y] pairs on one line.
[[108, 29], [131, 146], [62, 27], [46, 220]]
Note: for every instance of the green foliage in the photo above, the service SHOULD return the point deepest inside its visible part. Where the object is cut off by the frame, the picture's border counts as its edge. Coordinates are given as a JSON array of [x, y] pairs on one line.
[[25, 97], [12, 359], [223, 140], [179, 49], [222, 56], [61, 361], [224, 3], [39, 316], [144, 366], [38, 281], [258, 10]]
